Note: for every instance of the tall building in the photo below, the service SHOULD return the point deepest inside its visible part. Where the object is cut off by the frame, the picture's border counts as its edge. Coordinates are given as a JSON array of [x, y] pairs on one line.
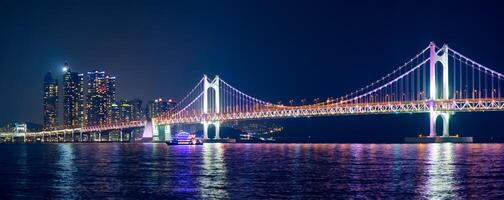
[[73, 98], [159, 106], [101, 94], [116, 112], [50, 102], [125, 110], [136, 109]]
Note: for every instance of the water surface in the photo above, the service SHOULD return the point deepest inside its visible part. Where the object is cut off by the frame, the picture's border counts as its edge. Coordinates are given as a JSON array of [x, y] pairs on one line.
[[252, 171]]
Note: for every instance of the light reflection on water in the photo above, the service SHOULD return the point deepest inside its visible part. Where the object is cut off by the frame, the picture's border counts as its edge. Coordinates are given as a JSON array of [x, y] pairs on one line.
[[213, 175], [251, 171], [64, 182], [441, 169]]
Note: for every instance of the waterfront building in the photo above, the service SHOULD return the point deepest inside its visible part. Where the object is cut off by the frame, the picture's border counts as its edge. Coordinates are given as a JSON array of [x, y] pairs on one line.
[[116, 113], [73, 98], [50, 102], [127, 110], [136, 109], [159, 106], [101, 94]]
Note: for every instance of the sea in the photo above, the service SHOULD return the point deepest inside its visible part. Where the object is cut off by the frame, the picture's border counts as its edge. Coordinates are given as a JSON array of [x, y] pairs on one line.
[[251, 171]]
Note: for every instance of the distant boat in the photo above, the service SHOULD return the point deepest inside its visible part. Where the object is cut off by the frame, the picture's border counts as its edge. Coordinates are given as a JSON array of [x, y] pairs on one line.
[[184, 138]]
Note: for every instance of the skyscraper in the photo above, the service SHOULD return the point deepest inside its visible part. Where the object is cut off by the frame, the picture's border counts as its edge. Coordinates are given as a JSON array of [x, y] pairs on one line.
[[136, 109], [73, 98], [159, 106], [50, 102], [101, 94], [127, 110], [116, 113]]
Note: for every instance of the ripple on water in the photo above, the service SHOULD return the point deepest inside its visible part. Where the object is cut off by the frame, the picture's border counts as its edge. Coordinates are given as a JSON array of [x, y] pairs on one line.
[[252, 171]]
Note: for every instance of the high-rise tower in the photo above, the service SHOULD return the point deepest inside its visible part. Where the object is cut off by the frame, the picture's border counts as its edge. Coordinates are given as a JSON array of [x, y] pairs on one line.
[[73, 98], [50, 102], [101, 94]]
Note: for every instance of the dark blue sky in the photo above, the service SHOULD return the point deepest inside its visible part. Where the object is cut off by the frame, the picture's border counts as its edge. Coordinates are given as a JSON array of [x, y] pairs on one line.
[[273, 50]]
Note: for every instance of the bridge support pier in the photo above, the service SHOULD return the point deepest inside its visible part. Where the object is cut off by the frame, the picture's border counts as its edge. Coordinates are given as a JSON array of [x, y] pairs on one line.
[[205, 130], [446, 123], [168, 135], [444, 86], [215, 85], [217, 131]]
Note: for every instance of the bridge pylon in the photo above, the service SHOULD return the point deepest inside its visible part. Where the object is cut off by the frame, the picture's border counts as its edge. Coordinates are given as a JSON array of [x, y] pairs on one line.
[[442, 58], [207, 85]]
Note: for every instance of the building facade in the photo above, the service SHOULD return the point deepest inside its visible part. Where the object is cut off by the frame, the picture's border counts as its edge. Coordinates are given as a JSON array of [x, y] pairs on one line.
[[73, 99], [127, 110], [50, 102], [136, 109], [159, 106], [101, 94]]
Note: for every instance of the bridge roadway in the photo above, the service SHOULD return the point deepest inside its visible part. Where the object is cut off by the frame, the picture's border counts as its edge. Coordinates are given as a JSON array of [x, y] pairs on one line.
[[318, 110], [458, 105], [276, 111]]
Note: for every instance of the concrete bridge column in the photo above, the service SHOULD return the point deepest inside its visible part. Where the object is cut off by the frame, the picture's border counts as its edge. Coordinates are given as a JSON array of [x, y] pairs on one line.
[[205, 130], [432, 117], [446, 123], [168, 135], [217, 130], [434, 88]]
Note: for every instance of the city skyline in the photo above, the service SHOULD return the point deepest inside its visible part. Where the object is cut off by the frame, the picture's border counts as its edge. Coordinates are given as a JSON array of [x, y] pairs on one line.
[[73, 103]]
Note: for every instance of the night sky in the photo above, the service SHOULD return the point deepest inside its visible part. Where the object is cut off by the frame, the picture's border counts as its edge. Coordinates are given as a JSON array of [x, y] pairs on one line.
[[272, 50]]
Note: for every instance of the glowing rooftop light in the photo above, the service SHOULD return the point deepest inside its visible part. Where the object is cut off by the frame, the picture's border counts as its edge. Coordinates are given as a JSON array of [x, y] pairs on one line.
[[65, 69]]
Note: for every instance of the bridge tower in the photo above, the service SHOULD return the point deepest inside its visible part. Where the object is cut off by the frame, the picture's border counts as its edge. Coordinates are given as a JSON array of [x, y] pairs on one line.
[[433, 87], [207, 85]]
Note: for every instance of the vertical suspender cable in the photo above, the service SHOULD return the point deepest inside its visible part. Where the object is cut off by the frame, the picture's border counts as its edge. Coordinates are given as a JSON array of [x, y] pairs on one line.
[[460, 78], [497, 92], [424, 90], [479, 82], [492, 85], [466, 80], [473, 82], [418, 82], [454, 75], [486, 83]]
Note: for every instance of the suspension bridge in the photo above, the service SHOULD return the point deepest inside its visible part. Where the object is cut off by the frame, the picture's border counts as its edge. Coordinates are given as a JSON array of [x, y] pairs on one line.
[[438, 80]]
